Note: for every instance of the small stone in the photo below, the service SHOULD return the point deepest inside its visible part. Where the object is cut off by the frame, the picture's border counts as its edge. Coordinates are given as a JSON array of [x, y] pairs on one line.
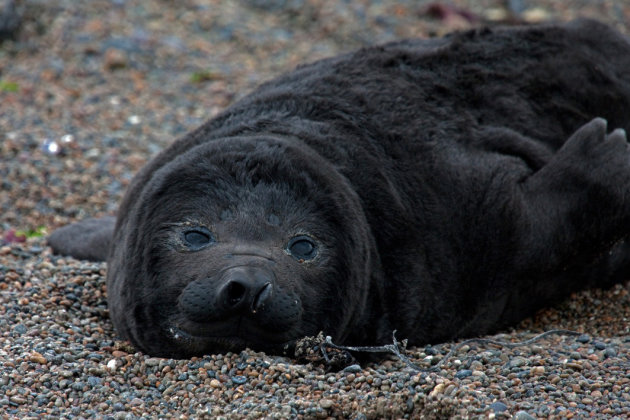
[[523, 415], [152, 361], [239, 379], [584, 338], [170, 390], [17, 399], [431, 351], [285, 411], [575, 366], [496, 14], [20, 329], [94, 381], [610, 352], [37, 358], [134, 120], [464, 373], [439, 389], [215, 383], [114, 59], [535, 15], [353, 369], [537, 370], [137, 382], [498, 407], [517, 362], [325, 403]]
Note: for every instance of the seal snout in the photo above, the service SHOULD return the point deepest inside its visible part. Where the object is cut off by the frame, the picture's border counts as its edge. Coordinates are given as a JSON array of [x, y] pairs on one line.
[[246, 289], [237, 291]]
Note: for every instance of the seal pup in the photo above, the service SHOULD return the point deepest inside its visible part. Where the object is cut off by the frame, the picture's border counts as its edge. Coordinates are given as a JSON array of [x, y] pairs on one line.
[[443, 188]]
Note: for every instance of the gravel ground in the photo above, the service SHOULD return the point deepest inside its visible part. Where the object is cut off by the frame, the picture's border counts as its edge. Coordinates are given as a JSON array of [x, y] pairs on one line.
[[89, 91]]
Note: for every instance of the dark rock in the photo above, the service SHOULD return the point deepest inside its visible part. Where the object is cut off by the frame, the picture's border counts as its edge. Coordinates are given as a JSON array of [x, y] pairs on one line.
[[584, 338], [464, 373], [10, 19], [20, 329], [353, 369], [239, 379], [498, 407], [610, 352]]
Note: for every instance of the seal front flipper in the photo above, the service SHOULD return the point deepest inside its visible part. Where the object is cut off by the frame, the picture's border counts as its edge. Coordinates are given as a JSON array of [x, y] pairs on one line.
[[88, 239], [577, 204]]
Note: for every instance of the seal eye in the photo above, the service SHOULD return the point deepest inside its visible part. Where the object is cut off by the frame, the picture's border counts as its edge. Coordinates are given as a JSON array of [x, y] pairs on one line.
[[302, 248], [197, 238]]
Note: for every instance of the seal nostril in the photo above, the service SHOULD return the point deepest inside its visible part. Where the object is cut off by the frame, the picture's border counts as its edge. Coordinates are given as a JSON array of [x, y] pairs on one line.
[[235, 293], [245, 289], [263, 295]]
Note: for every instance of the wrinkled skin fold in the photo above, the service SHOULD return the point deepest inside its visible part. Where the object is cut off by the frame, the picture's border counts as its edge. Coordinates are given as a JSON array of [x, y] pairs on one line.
[[443, 188]]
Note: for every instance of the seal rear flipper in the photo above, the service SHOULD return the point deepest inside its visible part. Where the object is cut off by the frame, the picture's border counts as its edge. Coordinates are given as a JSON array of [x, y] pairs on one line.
[[88, 239]]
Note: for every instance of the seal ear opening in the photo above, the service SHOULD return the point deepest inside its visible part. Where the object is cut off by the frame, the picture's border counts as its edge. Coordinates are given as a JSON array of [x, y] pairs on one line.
[[88, 239]]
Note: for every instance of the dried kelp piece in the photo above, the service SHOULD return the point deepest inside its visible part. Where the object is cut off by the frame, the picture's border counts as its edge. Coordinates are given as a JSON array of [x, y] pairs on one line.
[[397, 348], [313, 350], [322, 350]]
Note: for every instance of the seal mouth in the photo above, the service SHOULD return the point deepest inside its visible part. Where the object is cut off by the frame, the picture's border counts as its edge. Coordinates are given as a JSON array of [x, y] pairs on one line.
[[257, 340]]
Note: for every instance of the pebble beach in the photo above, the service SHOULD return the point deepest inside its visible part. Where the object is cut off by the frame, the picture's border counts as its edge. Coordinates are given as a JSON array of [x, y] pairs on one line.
[[90, 91]]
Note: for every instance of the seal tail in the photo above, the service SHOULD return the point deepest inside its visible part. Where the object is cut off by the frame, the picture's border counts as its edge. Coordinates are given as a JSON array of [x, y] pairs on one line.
[[88, 239]]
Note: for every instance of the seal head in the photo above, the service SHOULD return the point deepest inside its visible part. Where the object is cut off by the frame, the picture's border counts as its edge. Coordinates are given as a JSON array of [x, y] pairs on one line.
[[239, 242]]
